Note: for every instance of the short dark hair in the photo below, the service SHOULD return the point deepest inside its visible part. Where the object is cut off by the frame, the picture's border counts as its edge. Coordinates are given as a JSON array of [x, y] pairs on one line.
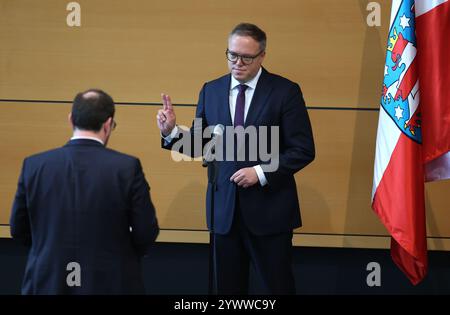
[[248, 29], [91, 109]]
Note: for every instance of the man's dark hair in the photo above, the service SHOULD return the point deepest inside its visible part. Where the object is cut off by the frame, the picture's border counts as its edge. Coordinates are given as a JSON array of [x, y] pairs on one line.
[[91, 109], [247, 29]]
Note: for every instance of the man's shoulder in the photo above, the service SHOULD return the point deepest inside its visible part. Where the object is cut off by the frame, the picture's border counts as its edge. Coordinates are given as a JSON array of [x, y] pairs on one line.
[[120, 155], [278, 79], [37, 160], [44, 155], [274, 79], [61, 153], [219, 82]]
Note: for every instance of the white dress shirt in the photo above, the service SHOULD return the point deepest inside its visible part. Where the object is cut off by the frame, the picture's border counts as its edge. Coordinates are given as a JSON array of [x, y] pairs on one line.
[[86, 137], [234, 90]]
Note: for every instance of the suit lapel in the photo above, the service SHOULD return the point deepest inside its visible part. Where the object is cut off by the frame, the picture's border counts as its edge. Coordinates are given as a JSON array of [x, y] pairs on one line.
[[259, 100], [224, 109]]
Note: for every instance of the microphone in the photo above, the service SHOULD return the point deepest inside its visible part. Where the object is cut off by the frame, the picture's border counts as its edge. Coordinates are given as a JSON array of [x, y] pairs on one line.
[[210, 147]]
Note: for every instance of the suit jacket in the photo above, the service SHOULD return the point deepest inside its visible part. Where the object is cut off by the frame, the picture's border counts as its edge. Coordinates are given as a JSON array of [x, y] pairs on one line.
[[87, 204], [277, 102]]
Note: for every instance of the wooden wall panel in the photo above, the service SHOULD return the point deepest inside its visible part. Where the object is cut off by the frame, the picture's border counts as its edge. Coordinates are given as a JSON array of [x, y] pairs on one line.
[[334, 190], [26, 129], [177, 188], [136, 49]]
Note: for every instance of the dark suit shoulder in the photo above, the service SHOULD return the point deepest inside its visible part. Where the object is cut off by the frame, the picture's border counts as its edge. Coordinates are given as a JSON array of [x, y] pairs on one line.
[[277, 79], [219, 82], [120, 155], [44, 155], [105, 155], [46, 159]]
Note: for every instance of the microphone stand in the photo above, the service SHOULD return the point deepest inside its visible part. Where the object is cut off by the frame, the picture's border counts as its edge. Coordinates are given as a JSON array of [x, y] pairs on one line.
[[213, 173]]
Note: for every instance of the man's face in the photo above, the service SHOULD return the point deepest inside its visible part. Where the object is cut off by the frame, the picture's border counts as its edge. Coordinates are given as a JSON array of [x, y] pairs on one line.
[[244, 46]]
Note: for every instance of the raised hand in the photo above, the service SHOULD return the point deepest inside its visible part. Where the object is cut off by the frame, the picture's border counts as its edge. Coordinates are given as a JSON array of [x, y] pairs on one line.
[[165, 118]]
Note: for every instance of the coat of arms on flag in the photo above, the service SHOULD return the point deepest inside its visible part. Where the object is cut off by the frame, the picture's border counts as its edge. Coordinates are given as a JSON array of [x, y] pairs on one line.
[[401, 86]]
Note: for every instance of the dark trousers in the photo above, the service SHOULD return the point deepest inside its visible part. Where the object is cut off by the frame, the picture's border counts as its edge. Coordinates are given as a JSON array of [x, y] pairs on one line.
[[271, 256]]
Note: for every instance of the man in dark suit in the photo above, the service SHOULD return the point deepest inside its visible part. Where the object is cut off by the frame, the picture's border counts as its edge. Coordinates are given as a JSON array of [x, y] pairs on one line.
[[256, 206], [85, 210]]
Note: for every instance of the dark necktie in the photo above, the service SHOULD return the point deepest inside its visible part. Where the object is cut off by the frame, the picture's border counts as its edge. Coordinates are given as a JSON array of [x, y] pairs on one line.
[[240, 106]]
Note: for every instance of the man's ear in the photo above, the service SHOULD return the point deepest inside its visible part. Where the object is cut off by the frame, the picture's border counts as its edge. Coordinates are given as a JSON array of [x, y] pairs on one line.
[[107, 124], [263, 55], [69, 119]]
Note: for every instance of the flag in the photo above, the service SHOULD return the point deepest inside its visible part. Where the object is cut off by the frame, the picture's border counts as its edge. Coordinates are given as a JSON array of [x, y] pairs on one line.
[[413, 138], [433, 39]]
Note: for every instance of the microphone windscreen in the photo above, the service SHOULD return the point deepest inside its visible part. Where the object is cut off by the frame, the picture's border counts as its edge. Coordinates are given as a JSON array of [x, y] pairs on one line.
[[218, 130]]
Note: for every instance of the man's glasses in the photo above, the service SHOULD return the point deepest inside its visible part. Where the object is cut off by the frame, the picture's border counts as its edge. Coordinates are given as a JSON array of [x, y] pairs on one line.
[[246, 60], [113, 125]]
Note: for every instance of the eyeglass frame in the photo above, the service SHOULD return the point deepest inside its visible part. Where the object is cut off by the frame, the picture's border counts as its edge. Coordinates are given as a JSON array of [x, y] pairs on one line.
[[242, 57], [113, 124]]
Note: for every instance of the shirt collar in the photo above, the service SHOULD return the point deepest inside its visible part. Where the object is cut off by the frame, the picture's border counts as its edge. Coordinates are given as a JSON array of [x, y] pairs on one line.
[[86, 137], [252, 83]]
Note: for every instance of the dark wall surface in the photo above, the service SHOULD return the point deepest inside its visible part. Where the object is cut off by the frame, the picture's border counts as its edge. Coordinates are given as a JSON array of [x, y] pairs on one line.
[[182, 269]]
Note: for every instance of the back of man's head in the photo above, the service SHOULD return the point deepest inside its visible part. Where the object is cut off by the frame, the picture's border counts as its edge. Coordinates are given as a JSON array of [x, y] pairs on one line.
[[91, 109]]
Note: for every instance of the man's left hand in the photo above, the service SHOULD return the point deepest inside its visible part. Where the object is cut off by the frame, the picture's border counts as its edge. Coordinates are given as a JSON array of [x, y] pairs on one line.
[[245, 177]]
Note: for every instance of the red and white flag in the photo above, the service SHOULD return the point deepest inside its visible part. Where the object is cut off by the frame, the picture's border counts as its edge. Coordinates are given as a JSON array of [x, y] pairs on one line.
[[413, 140]]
